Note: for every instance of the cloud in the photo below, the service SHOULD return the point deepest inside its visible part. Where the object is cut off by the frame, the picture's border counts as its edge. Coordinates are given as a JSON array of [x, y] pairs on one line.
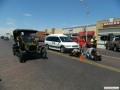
[[27, 14]]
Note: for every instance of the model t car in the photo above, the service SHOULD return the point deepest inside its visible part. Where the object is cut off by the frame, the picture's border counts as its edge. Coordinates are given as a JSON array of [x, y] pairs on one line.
[[27, 44]]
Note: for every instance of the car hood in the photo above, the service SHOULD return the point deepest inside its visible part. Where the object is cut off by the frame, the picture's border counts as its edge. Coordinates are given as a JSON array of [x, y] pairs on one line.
[[69, 43]]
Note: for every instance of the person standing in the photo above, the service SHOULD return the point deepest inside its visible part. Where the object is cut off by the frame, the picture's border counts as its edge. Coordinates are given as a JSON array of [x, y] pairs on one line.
[[93, 42], [82, 44]]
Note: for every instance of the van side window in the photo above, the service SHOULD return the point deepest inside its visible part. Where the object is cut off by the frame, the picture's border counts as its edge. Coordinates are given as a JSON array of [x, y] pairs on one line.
[[56, 39], [49, 38]]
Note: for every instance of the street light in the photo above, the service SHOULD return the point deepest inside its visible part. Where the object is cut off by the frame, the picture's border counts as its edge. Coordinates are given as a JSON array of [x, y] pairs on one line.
[[87, 12]]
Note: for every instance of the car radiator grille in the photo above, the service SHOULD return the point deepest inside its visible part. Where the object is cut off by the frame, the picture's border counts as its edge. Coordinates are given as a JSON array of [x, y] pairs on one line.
[[74, 46]]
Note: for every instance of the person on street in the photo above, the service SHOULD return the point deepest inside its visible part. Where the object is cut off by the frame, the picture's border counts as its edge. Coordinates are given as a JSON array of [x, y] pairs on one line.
[[93, 42], [93, 54], [82, 44]]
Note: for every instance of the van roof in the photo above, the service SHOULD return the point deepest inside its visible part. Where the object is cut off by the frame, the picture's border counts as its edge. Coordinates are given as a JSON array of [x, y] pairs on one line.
[[57, 35]]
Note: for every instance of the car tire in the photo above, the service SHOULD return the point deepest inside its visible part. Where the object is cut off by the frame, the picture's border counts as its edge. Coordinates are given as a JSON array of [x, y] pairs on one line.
[[62, 49], [115, 48], [107, 47], [22, 56]]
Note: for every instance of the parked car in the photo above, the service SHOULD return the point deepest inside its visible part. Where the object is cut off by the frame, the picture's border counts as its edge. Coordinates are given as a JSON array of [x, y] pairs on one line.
[[2, 37], [6, 38], [60, 42], [113, 43]]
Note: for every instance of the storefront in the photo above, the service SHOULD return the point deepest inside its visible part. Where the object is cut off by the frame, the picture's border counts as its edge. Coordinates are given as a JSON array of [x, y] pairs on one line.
[[106, 27]]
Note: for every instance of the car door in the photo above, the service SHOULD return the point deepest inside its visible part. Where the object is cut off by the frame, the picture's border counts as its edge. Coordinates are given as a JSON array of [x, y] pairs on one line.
[[56, 43], [49, 41]]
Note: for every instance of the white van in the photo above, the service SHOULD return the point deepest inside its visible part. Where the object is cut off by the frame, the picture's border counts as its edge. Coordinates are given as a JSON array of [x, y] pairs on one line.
[[60, 42]]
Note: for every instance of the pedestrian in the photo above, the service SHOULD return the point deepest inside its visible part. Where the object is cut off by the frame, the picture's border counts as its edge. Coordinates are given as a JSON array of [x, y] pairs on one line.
[[93, 42], [82, 44]]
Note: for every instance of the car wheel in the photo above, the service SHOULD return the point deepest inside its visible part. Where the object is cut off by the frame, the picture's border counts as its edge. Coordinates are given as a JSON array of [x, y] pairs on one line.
[[116, 49], [22, 56], [62, 49], [107, 47]]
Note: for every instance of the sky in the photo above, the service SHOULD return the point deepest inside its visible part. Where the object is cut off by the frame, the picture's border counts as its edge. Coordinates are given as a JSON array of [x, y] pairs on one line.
[[47, 14]]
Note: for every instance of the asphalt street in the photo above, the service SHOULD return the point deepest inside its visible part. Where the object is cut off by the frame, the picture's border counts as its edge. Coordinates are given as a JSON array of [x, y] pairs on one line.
[[58, 72]]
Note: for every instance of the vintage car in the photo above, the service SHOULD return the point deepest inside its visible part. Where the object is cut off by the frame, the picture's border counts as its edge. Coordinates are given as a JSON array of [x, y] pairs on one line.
[[27, 44], [6, 38]]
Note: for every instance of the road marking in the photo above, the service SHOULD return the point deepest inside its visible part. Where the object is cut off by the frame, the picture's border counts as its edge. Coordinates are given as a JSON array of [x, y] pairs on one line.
[[88, 61], [111, 57]]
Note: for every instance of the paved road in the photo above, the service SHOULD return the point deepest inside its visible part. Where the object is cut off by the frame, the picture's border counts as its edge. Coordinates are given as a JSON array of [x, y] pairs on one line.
[[58, 72]]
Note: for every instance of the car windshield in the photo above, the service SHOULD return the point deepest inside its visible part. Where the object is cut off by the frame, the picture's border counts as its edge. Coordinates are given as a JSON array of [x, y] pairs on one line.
[[28, 38], [65, 39]]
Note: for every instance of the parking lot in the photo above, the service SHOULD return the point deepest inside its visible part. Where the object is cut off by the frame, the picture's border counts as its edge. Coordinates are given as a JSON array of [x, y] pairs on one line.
[[59, 72]]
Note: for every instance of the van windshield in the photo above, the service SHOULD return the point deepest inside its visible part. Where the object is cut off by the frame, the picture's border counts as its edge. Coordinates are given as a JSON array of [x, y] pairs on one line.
[[65, 39]]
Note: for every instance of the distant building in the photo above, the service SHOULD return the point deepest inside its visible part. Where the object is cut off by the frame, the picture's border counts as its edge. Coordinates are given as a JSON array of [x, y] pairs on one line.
[[41, 34]]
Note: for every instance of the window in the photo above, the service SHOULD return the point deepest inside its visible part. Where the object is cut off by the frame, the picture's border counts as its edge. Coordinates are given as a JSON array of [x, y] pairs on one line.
[[49, 38], [117, 39], [65, 39], [56, 39]]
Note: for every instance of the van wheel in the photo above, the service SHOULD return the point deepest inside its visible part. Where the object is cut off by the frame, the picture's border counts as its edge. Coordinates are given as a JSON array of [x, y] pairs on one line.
[[62, 49]]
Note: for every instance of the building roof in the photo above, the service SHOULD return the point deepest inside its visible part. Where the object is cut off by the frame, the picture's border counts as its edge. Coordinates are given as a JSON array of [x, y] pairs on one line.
[[80, 26]]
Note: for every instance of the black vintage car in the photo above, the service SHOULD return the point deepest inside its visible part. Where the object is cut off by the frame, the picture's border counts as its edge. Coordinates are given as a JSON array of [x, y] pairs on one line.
[[27, 44]]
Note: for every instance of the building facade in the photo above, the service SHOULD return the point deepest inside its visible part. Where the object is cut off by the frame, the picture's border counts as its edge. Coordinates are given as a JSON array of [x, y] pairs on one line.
[[105, 27], [102, 27]]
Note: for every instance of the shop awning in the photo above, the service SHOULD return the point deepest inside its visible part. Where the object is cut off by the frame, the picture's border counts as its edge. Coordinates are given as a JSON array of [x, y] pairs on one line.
[[89, 33], [81, 34]]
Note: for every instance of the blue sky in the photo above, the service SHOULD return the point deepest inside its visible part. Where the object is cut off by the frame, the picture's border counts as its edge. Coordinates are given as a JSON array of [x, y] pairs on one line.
[[46, 14]]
